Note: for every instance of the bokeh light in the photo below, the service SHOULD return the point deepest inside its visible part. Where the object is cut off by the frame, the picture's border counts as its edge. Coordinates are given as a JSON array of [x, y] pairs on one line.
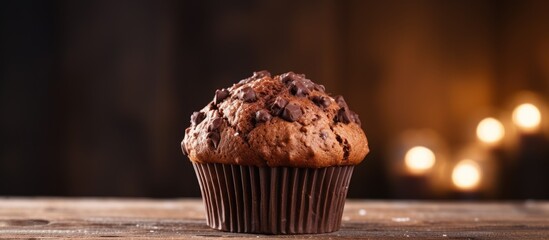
[[490, 131], [419, 159], [527, 117], [466, 175]]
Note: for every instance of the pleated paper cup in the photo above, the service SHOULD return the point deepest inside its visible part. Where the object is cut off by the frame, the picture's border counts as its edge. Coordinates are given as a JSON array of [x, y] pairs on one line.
[[273, 200]]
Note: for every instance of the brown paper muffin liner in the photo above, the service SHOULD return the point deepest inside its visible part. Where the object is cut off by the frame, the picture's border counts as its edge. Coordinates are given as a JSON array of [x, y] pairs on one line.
[[277, 200]]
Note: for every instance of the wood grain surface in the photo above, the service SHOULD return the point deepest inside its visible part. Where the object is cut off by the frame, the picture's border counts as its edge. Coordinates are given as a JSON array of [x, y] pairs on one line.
[[43, 218]]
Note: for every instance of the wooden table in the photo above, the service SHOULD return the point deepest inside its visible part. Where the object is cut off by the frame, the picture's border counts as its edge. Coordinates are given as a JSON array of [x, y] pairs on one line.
[[184, 219]]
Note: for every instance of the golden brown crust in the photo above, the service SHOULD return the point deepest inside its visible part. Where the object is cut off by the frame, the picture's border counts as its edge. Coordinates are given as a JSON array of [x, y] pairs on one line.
[[285, 121]]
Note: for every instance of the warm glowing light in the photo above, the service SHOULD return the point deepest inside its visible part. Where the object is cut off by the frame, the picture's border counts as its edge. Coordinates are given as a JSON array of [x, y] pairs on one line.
[[527, 117], [419, 159], [466, 175], [490, 130]]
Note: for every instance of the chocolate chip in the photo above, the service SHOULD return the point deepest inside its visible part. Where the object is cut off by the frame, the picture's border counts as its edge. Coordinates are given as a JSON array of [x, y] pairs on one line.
[[288, 77], [278, 105], [308, 84], [257, 75], [319, 87], [299, 89], [261, 74], [321, 101], [340, 101], [344, 115], [247, 94], [197, 118], [323, 135], [220, 95], [212, 106], [216, 123], [262, 116], [346, 150], [243, 81], [213, 139], [292, 112]]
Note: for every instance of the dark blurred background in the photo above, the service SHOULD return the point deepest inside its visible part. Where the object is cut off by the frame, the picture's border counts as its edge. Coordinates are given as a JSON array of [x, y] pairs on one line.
[[95, 95]]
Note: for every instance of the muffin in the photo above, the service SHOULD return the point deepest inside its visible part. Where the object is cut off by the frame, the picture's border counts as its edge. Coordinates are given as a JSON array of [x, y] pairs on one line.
[[275, 155]]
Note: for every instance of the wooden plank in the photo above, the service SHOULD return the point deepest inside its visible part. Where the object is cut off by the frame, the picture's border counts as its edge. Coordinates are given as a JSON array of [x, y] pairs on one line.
[[184, 219]]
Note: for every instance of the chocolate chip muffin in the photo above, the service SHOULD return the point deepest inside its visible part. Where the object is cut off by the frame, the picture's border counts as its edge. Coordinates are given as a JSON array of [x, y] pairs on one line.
[[285, 120], [275, 155]]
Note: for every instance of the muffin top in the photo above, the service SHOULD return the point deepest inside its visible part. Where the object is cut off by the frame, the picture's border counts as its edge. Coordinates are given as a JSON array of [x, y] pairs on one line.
[[281, 121]]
